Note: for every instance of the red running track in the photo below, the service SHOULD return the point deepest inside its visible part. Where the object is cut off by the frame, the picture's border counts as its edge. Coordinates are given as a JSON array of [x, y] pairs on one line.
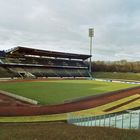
[[89, 102]]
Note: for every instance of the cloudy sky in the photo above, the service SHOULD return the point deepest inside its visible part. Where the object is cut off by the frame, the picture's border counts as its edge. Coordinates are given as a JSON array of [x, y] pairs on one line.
[[62, 25]]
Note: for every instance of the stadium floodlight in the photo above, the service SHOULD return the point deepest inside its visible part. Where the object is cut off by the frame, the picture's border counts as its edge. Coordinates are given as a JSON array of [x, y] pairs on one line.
[[91, 34]]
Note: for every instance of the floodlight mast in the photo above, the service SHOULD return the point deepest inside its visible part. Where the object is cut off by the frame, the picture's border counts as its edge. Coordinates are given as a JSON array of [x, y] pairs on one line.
[[91, 35]]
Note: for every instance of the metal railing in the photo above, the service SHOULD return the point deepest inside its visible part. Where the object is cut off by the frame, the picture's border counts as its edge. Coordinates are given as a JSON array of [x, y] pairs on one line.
[[128, 120]]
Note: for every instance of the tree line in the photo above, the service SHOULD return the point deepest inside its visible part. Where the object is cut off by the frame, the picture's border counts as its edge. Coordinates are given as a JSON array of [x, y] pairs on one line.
[[116, 66]]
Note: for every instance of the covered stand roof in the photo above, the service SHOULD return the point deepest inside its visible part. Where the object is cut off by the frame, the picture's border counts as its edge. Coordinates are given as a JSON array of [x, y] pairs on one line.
[[31, 51]]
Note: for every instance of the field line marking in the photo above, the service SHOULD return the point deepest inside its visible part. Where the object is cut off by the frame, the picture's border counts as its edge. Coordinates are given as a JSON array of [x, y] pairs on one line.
[[31, 101]]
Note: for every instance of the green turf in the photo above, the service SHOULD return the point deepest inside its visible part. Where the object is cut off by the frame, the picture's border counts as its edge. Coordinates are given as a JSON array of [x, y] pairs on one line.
[[57, 91], [117, 75]]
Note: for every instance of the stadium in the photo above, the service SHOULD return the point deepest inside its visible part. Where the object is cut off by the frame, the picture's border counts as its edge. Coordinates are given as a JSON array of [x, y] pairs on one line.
[[32, 63], [39, 85]]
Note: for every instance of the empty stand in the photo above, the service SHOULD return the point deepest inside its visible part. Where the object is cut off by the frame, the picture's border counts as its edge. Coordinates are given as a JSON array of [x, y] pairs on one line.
[[5, 72], [32, 63]]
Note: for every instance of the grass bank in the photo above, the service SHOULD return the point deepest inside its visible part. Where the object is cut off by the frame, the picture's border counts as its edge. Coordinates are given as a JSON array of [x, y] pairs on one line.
[[117, 75], [63, 131]]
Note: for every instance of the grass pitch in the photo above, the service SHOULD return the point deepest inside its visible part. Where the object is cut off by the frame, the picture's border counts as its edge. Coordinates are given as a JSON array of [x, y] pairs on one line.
[[58, 91]]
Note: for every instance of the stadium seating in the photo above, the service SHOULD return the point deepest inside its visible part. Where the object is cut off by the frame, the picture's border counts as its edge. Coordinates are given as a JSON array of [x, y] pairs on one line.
[[25, 63], [45, 61], [6, 72], [49, 72]]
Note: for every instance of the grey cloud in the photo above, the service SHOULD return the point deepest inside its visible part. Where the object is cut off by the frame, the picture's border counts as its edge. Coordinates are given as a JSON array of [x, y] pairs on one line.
[[63, 26]]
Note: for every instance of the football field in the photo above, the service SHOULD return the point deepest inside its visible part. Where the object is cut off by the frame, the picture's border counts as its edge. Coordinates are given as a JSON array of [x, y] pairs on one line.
[[58, 91]]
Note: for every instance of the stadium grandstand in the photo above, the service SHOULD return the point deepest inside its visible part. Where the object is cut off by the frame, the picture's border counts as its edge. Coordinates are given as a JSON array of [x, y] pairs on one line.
[[22, 62]]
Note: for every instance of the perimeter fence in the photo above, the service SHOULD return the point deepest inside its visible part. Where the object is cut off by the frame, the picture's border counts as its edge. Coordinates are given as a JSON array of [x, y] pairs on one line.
[[127, 120]]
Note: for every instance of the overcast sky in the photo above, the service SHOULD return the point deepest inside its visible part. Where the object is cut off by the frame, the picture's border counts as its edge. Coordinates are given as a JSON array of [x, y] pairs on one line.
[[62, 25]]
